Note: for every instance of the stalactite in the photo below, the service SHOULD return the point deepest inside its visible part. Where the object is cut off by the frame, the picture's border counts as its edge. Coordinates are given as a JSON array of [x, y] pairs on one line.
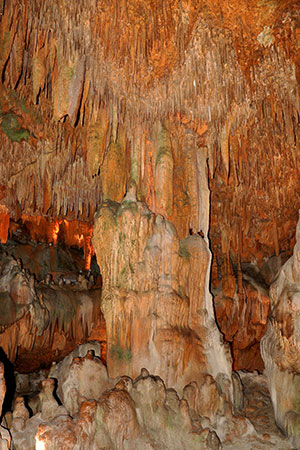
[[203, 76]]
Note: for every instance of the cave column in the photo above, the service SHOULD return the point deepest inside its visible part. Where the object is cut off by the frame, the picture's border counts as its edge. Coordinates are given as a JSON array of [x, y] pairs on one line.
[[156, 299]]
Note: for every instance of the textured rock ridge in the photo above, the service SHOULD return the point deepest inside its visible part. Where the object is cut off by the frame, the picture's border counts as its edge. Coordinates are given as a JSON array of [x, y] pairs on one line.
[[185, 91], [5, 438]]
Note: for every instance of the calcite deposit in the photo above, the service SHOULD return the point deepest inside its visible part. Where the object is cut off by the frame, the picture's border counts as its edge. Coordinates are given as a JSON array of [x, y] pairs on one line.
[[161, 139], [280, 345], [242, 310], [155, 298], [196, 102], [141, 413], [127, 413], [5, 438], [41, 322]]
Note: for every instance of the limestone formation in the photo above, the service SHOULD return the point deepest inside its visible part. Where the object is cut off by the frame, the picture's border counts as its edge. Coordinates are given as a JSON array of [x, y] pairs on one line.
[[86, 378], [280, 345], [2, 386], [138, 413], [5, 438], [169, 131], [46, 320], [197, 104], [242, 310], [156, 303]]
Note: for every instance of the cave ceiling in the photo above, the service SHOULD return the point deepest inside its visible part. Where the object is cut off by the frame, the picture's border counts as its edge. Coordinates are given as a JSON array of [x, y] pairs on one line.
[[86, 85]]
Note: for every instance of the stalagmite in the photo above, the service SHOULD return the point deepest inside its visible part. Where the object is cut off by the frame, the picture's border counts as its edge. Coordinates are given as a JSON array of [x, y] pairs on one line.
[[170, 132], [161, 271]]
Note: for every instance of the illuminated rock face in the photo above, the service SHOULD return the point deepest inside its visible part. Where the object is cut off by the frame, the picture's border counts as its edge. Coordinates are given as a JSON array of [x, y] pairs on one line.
[[136, 413], [99, 94], [156, 303], [280, 346]]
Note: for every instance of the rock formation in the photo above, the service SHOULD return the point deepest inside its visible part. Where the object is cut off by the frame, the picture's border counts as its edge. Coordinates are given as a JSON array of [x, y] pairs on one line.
[[242, 310], [79, 378], [42, 322], [5, 439], [184, 93], [169, 131], [155, 300], [138, 413], [280, 345]]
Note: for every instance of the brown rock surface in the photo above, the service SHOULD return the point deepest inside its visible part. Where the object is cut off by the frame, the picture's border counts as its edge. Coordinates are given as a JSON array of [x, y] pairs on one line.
[[242, 312], [143, 414], [2, 386], [139, 414], [5, 438], [196, 104]]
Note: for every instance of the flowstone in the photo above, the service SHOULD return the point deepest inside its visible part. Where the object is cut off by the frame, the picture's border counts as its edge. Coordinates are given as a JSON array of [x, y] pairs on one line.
[[156, 301], [280, 346]]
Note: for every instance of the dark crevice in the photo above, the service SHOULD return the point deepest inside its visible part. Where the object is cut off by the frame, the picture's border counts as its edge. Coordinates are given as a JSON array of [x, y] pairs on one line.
[[9, 381]]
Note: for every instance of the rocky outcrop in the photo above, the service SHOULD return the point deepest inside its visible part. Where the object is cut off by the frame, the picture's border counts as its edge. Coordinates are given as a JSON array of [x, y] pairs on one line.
[[280, 345], [80, 377], [5, 438], [242, 305], [166, 94], [136, 413], [42, 322], [156, 301]]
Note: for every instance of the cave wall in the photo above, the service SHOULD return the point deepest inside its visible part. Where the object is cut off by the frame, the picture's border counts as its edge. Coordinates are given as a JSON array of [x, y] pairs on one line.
[[183, 92]]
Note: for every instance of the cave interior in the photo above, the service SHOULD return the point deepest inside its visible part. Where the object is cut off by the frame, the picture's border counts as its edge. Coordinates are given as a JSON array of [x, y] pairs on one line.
[[149, 234]]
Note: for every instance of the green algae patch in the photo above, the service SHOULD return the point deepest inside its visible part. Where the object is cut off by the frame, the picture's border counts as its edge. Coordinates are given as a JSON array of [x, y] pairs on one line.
[[14, 114], [183, 251], [129, 206], [119, 353], [10, 126], [164, 146], [18, 101]]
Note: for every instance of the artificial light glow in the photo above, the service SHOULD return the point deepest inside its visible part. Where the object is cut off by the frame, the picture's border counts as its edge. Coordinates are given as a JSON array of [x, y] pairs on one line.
[[79, 238], [88, 259], [88, 252], [55, 232], [39, 445]]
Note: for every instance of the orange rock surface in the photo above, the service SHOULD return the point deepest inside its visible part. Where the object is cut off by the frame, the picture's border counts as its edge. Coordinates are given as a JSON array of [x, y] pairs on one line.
[[280, 345], [41, 323], [170, 94], [155, 299]]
